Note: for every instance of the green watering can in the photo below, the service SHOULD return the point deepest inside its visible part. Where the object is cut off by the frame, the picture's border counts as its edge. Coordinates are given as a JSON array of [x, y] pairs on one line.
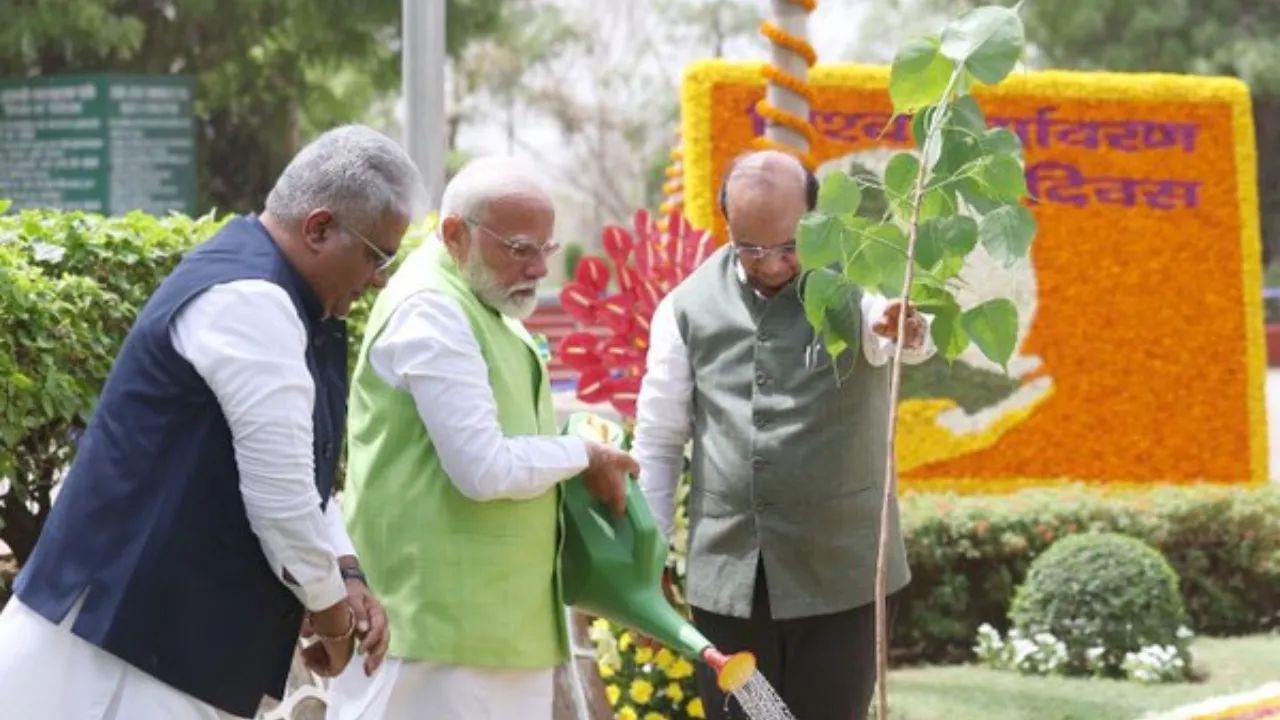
[[611, 567]]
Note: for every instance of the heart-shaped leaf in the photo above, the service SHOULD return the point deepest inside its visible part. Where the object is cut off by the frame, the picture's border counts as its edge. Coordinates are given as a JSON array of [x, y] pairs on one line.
[[987, 41], [617, 244], [623, 393], [592, 274], [1007, 232], [579, 302], [993, 326], [839, 194], [819, 240], [919, 75], [579, 350], [947, 332], [943, 242], [615, 312], [593, 385]]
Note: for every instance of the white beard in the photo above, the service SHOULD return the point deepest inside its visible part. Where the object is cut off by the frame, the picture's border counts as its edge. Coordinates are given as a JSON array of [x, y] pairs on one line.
[[518, 301]]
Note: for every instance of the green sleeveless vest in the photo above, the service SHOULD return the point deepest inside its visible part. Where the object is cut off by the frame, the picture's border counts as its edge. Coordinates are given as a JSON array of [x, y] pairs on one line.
[[789, 453], [463, 582]]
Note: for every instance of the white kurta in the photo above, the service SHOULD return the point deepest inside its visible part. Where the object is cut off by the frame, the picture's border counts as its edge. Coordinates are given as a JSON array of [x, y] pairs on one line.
[[664, 408], [428, 350], [247, 342]]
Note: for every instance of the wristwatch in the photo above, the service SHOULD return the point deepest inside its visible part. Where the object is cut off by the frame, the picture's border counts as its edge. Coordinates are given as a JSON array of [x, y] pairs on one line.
[[353, 573]]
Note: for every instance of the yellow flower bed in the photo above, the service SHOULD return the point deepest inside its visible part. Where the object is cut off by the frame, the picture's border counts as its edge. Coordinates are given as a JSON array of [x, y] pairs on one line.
[[1148, 317]]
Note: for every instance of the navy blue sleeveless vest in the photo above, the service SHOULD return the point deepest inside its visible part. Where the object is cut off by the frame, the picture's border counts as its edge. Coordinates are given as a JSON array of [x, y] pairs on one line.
[[150, 525]]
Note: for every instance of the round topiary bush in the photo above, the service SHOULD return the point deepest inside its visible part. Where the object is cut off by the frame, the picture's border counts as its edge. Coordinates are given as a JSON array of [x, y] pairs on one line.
[[1105, 604]]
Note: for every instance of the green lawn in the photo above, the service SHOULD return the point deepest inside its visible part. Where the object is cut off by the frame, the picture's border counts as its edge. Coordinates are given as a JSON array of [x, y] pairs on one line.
[[974, 693]]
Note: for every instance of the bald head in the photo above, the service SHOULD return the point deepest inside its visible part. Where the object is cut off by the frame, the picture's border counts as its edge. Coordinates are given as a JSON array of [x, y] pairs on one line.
[[764, 173], [765, 196]]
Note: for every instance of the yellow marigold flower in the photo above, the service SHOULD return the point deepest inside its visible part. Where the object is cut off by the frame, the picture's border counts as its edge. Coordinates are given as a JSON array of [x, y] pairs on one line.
[[654, 716], [643, 655], [641, 691], [695, 708], [680, 669], [628, 713], [613, 693], [606, 669], [675, 692], [664, 658], [624, 642]]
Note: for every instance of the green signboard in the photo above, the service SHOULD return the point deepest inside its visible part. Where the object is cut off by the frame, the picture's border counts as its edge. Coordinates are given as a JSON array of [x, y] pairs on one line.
[[103, 143]]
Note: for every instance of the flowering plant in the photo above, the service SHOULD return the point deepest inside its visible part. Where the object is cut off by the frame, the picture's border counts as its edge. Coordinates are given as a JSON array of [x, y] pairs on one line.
[[616, 307], [643, 684]]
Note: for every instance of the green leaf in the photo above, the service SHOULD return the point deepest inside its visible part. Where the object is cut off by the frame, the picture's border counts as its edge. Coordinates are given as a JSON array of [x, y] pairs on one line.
[[5, 205], [818, 240], [976, 197], [879, 260], [993, 325], [900, 183], [986, 41], [996, 141], [967, 115], [943, 242], [826, 300], [839, 194], [919, 75], [930, 298], [1003, 177], [947, 332], [1006, 233]]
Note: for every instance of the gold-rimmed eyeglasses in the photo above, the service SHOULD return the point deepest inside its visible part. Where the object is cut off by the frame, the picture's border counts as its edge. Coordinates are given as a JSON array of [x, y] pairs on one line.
[[520, 248]]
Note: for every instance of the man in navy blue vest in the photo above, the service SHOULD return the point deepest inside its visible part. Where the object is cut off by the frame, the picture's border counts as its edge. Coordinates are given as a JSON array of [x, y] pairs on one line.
[[194, 533]]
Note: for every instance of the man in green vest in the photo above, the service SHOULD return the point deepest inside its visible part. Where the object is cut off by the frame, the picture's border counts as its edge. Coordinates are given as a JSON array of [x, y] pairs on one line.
[[454, 465], [788, 452]]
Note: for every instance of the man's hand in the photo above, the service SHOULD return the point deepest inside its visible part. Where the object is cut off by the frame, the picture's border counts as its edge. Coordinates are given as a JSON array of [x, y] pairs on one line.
[[371, 624], [606, 475], [887, 325], [335, 628]]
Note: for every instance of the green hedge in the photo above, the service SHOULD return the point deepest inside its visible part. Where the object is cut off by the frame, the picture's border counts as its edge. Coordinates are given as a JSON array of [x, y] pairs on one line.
[[968, 554], [71, 284]]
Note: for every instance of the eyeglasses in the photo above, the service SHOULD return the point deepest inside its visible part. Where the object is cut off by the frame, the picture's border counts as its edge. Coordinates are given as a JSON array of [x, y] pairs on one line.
[[384, 260], [759, 252], [522, 249]]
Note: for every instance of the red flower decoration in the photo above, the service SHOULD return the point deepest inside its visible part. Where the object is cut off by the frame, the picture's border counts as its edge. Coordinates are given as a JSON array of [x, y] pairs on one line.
[[647, 264]]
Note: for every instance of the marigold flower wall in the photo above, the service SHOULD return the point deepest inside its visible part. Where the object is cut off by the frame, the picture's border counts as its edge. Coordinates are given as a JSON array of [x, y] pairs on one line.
[[1144, 299]]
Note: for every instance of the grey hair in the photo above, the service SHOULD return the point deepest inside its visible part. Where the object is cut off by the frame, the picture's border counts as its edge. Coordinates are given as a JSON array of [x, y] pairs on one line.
[[486, 179], [356, 172]]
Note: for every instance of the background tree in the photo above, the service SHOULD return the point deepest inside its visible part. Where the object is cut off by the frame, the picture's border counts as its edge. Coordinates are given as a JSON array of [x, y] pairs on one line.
[[269, 72]]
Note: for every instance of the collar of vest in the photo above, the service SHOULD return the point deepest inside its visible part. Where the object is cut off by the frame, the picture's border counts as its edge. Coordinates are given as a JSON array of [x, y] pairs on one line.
[[310, 300]]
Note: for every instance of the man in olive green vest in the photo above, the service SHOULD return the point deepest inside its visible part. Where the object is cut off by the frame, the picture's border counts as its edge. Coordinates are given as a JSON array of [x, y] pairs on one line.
[[454, 465], [788, 452]]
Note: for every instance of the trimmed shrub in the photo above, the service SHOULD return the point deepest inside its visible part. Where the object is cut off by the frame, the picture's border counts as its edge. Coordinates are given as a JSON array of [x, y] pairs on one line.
[[1104, 597]]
